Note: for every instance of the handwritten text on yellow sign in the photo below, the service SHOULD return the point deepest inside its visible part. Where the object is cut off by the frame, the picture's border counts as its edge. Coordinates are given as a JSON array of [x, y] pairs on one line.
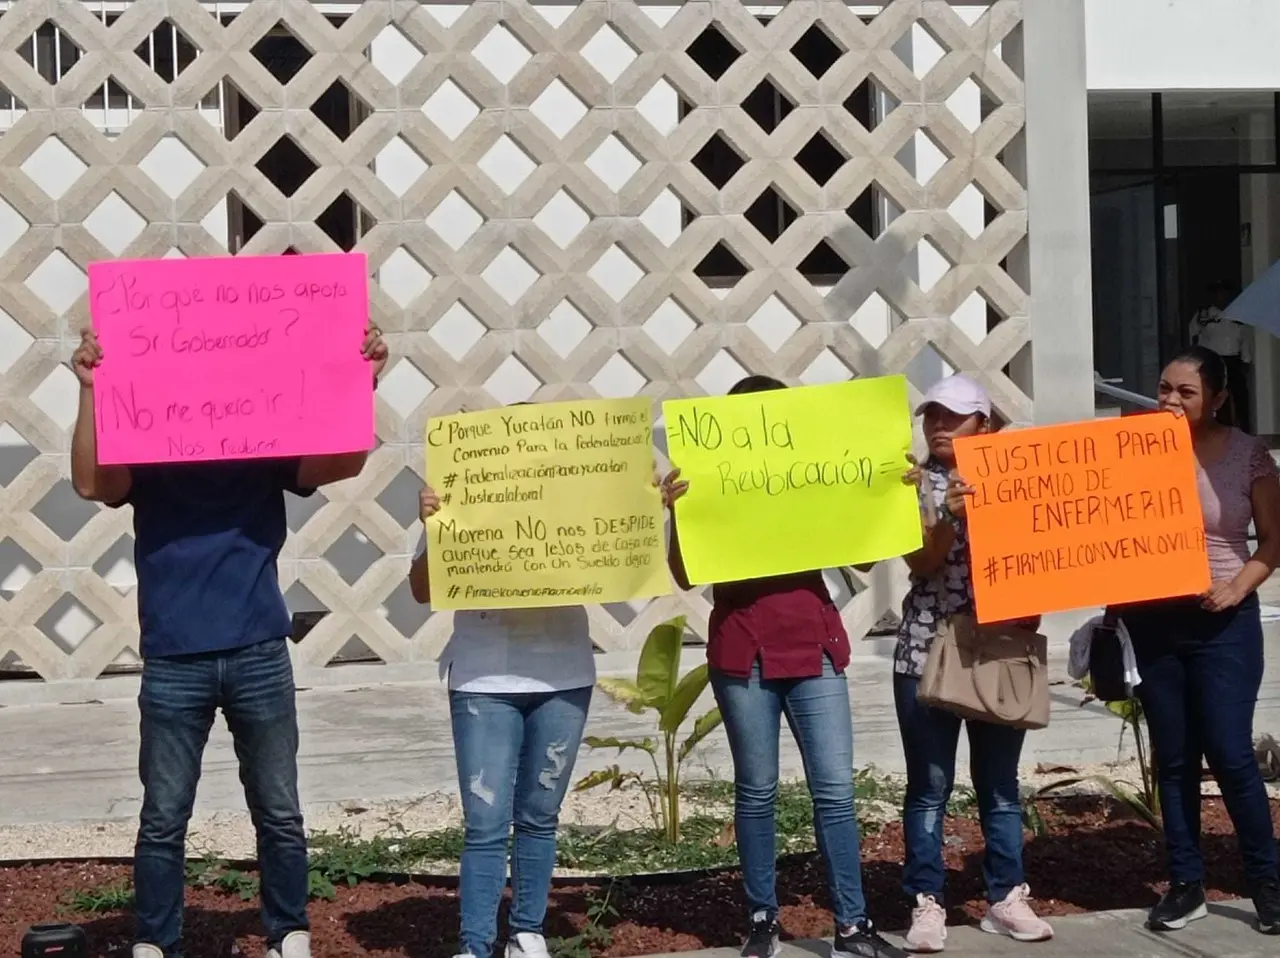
[[791, 480], [543, 505]]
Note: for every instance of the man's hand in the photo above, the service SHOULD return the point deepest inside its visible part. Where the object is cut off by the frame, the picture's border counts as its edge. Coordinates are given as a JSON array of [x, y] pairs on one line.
[[86, 358], [428, 503], [958, 493], [374, 349]]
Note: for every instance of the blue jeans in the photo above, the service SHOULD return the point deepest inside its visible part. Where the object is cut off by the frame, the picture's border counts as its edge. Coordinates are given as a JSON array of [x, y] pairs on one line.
[[515, 756], [817, 709], [929, 740], [254, 688], [1200, 677]]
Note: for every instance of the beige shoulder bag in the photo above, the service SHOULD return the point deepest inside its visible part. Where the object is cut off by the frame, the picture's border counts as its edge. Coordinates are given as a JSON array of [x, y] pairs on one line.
[[989, 673]]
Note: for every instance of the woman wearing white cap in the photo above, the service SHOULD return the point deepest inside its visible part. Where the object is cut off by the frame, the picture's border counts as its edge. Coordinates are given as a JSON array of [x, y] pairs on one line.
[[941, 587]]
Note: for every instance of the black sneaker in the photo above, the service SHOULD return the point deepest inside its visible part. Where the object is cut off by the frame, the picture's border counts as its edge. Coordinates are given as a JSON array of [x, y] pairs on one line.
[[1182, 903], [763, 940], [863, 941], [1266, 900]]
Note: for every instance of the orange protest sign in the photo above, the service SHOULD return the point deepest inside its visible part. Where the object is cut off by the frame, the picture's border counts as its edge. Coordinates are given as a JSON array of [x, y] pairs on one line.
[[1089, 513]]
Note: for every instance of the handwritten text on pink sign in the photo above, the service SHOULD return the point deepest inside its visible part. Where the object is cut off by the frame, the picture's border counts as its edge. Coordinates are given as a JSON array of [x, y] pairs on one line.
[[239, 357]]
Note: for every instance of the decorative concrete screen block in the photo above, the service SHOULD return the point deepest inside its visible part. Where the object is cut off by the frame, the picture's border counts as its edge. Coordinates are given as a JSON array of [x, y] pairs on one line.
[[556, 200]]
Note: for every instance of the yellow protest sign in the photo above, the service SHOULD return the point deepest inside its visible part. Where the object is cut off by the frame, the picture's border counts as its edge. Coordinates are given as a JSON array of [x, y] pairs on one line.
[[793, 479], [545, 504]]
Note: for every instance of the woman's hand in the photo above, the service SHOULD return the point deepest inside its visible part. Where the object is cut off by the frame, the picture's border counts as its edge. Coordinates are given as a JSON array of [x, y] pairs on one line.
[[915, 475], [428, 503], [672, 487], [958, 493], [1222, 596]]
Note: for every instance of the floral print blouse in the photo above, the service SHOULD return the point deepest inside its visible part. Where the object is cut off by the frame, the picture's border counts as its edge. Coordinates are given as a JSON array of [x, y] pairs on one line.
[[934, 598]]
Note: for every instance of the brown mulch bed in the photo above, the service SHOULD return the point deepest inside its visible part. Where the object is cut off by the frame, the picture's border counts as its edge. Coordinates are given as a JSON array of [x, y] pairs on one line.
[[1096, 856]]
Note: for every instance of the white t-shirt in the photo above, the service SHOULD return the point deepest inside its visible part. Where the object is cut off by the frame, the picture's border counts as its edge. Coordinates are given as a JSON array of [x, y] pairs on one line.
[[518, 650]]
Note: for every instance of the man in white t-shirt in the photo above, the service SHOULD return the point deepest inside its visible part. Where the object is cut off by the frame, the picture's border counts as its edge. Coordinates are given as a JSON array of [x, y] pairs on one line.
[[520, 684]]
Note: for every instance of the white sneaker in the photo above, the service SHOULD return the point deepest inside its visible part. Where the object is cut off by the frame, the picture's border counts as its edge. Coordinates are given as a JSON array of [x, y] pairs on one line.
[[147, 951], [296, 944], [527, 945]]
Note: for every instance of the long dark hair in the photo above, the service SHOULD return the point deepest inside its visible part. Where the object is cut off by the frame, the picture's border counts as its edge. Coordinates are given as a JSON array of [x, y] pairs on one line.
[[756, 384], [1215, 376]]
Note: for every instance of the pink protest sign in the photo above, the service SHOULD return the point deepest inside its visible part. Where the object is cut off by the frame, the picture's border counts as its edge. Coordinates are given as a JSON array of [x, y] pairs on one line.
[[236, 357]]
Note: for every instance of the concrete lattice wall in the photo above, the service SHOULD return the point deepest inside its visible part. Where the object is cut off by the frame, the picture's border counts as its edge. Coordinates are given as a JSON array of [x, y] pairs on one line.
[[534, 214]]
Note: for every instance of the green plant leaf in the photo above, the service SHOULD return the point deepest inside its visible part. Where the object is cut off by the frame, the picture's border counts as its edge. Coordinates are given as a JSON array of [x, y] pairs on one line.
[[704, 726], [603, 776], [624, 692], [659, 668], [621, 744], [682, 699], [1118, 790]]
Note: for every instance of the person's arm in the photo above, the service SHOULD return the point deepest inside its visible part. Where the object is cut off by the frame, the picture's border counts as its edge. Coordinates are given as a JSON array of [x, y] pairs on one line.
[[1264, 495], [675, 561], [317, 471], [932, 555], [108, 484], [419, 581]]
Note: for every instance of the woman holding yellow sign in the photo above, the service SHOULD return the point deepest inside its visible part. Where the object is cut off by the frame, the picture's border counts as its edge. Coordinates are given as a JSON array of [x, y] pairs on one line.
[[520, 683], [777, 647]]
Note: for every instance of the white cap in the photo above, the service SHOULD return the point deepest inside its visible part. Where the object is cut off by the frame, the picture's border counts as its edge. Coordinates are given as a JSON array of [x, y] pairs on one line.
[[959, 394]]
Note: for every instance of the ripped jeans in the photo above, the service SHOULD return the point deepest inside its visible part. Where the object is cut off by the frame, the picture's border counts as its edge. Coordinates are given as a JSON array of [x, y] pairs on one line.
[[515, 754]]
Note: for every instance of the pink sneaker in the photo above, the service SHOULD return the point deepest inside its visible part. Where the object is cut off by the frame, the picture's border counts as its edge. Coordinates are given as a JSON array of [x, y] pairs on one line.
[[1014, 918], [928, 932]]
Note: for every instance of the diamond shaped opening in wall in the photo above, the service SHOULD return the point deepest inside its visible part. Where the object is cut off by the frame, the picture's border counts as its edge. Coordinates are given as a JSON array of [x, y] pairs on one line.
[[870, 211], [926, 51], [817, 51], [64, 512], [564, 329], [298, 510], [661, 107], [282, 53], [826, 367], [768, 105], [355, 651], [352, 553], [57, 281], [228, 108], [616, 273], [402, 277], [613, 163], [720, 374], [869, 105], [823, 264], [501, 54], [968, 104], [399, 497], [286, 165], [608, 53], [457, 331], [455, 220], [393, 54], [820, 158], [405, 613], [115, 566], [14, 341], [168, 51], [932, 264], [510, 275], [399, 166], [405, 388], [12, 668], [617, 379], [15, 453], [446, 14], [969, 210], [713, 51], [927, 367], [720, 268], [558, 108], [340, 109], [773, 323], [506, 164], [51, 51], [114, 223], [172, 166], [53, 167], [68, 622], [718, 160], [922, 157], [12, 226], [17, 568], [771, 214], [874, 320], [344, 221], [664, 217], [512, 382], [450, 109], [669, 326], [562, 219]]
